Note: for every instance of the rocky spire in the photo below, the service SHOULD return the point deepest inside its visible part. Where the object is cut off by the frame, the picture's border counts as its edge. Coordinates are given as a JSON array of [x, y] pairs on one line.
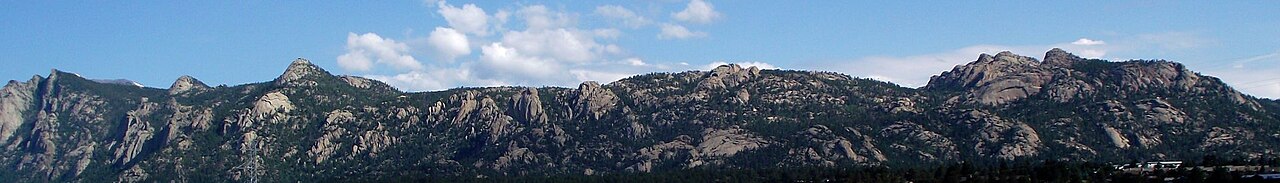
[[527, 108], [186, 83], [1059, 58], [300, 70]]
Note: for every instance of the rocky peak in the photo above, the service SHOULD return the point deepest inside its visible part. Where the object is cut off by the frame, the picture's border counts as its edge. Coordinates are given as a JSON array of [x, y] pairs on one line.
[[593, 100], [298, 73], [994, 80], [984, 58], [725, 76], [1059, 58], [186, 83], [986, 69], [1007, 57]]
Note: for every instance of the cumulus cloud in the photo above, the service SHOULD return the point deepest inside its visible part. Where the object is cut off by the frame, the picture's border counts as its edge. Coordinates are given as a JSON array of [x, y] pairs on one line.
[[510, 63], [623, 15], [467, 19], [1088, 42], [526, 45], [560, 44], [534, 46], [634, 62], [673, 31], [355, 60], [449, 43], [539, 17], [367, 49], [697, 11]]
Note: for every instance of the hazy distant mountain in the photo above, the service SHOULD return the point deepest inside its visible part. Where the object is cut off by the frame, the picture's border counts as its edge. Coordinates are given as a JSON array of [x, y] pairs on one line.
[[310, 125]]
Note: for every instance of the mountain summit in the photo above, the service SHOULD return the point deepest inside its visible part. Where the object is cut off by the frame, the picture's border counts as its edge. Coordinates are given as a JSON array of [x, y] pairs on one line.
[[302, 73], [310, 125], [186, 83]]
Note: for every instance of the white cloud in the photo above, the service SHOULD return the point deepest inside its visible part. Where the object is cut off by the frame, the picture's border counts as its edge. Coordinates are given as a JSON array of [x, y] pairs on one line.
[[560, 44], [355, 60], [511, 64], [1088, 42], [625, 16], [449, 43], [501, 18], [525, 46], [468, 19], [539, 17], [607, 33], [673, 31], [366, 49], [634, 62], [697, 11], [759, 65]]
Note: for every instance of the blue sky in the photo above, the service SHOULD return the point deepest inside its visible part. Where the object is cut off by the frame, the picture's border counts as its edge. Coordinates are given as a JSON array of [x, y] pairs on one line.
[[432, 45]]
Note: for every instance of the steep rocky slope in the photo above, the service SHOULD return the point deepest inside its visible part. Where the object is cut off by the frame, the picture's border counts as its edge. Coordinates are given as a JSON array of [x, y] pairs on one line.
[[308, 124]]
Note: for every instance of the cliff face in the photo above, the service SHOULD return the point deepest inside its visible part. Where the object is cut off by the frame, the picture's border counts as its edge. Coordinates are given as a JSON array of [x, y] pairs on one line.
[[310, 125]]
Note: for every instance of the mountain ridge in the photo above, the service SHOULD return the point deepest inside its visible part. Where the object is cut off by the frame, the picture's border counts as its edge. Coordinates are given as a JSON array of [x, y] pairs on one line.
[[308, 124]]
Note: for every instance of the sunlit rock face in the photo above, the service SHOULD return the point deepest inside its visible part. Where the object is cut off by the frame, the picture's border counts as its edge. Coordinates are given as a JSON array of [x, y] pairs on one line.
[[310, 125]]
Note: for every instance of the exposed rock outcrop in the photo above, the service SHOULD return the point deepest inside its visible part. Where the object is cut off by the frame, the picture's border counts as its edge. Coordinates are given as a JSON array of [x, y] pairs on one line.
[[1059, 58], [1160, 111], [718, 143], [327, 144], [479, 114], [185, 84], [594, 101], [1117, 139], [137, 133], [825, 148], [312, 125], [301, 73], [358, 82], [526, 107], [998, 137], [657, 153], [16, 98], [271, 104], [925, 143], [728, 76], [995, 80]]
